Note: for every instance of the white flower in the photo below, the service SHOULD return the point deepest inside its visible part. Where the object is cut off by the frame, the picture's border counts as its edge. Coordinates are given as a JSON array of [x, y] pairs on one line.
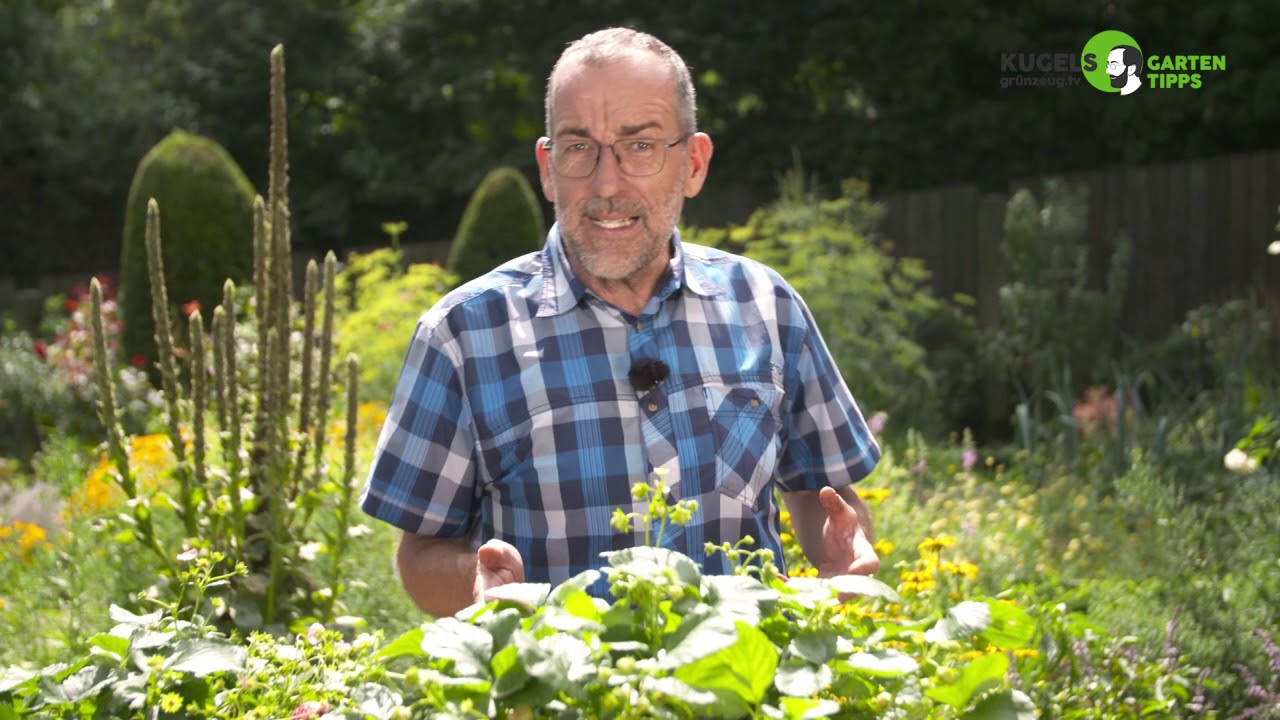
[[1239, 461], [310, 550], [188, 555], [361, 530], [1274, 248], [313, 633]]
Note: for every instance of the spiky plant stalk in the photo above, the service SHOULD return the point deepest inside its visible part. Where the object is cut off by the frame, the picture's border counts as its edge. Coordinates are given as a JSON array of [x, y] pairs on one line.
[[231, 445], [110, 418], [326, 362], [275, 502], [283, 322], [345, 489], [199, 399], [219, 371], [307, 389], [167, 361]]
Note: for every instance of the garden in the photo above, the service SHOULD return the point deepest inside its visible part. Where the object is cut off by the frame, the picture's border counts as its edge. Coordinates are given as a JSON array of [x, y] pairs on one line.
[[182, 469]]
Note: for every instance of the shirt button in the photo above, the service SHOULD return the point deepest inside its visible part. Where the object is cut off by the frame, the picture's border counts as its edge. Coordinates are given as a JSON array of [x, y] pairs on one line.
[[755, 402], [639, 327], [653, 407]]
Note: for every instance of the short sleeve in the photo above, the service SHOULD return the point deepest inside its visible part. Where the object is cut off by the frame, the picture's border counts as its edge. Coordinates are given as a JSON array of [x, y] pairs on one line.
[[826, 438], [422, 478]]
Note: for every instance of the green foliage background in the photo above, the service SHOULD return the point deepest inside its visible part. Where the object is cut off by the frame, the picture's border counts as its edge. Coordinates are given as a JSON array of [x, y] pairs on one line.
[[399, 107], [503, 221]]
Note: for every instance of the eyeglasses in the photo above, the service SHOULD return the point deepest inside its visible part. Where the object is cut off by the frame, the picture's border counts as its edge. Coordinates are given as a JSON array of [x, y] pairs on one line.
[[638, 157]]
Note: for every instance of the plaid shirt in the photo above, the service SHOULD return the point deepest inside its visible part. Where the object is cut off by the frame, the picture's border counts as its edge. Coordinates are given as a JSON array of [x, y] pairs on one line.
[[514, 418]]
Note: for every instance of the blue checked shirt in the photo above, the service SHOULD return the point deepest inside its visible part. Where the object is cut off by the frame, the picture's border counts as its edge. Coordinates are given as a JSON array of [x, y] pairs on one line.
[[514, 417]]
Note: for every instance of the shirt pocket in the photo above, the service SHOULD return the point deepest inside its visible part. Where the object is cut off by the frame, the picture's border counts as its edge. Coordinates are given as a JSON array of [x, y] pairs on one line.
[[744, 424]]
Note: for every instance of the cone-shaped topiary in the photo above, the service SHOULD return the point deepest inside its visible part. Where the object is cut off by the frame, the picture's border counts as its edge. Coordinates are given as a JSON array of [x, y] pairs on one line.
[[208, 232], [502, 221]]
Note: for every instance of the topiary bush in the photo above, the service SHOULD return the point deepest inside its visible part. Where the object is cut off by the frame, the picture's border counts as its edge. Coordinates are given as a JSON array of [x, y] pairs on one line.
[[208, 232], [502, 221]]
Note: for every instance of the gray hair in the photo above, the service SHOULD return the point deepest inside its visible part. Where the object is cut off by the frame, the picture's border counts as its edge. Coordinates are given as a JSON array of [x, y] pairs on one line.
[[604, 46]]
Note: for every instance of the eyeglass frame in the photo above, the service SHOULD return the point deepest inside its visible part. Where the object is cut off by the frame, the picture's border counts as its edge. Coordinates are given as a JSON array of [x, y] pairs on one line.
[[600, 149]]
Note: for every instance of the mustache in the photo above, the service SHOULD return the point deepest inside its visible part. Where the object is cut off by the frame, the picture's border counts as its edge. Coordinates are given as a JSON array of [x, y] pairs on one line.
[[601, 206]]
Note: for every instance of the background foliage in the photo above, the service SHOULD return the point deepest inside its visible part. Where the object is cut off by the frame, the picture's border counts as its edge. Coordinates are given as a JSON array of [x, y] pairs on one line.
[[400, 107]]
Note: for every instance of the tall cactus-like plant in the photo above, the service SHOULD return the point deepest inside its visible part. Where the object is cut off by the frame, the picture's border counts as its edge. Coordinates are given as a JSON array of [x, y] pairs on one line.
[[253, 500]]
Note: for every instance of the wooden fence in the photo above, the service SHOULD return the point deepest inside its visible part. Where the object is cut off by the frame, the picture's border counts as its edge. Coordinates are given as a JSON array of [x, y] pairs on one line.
[[1199, 232]]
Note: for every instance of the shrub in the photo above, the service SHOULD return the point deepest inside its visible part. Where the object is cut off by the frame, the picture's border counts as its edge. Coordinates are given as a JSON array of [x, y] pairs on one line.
[[208, 233], [502, 221], [384, 303]]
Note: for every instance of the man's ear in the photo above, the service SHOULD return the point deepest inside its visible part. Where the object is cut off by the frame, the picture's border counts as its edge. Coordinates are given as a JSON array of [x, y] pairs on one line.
[[543, 156], [700, 150]]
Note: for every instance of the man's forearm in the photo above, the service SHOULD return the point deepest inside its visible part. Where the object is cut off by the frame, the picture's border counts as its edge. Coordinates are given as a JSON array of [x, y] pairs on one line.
[[438, 573]]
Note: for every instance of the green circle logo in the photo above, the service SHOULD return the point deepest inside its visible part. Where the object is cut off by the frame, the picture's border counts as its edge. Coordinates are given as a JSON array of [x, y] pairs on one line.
[[1113, 62]]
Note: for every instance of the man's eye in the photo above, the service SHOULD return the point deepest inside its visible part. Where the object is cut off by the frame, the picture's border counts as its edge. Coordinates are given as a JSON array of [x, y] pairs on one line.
[[641, 146], [578, 147]]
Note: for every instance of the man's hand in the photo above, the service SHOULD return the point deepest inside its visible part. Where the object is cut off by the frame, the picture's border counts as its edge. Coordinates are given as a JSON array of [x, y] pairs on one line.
[[834, 529], [846, 549], [497, 563]]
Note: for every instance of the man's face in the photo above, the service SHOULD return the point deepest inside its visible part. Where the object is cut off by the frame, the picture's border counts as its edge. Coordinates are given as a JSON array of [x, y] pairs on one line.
[[615, 225], [1116, 68]]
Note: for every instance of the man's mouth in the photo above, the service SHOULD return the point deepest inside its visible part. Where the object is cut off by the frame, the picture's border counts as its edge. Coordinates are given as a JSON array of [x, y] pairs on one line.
[[615, 223]]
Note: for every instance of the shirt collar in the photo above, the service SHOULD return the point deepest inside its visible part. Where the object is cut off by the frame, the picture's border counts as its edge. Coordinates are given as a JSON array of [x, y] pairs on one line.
[[562, 290]]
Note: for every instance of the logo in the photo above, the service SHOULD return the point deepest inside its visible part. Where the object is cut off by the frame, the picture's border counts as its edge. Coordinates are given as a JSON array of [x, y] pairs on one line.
[[1113, 62]]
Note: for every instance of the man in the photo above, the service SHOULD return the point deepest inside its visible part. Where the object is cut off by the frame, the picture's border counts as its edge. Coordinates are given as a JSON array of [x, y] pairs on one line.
[[534, 397], [1124, 63]]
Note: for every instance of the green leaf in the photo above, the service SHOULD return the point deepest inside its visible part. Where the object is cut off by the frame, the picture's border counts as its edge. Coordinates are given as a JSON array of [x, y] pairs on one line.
[[468, 646], [500, 624], [682, 691], [408, 644], [113, 644], [528, 595], [884, 663], [649, 563], [206, 656], [1012, 628], [741, 672], [962, 622], [802, 679], [87, 683], [376, 700], [705, 635], [981, 674], [864, 586], [815, 645], [804, 708], [1007, 705], [124, 617], [14, 677], [509, 675]]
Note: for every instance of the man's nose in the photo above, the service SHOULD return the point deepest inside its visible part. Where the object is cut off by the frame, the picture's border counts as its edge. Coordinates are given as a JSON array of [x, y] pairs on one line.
[[607, 178]]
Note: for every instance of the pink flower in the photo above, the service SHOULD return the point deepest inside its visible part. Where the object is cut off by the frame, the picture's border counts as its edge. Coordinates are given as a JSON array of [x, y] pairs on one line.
[[42, 349], [970, 459], [877, 422], [310, 710], [920, 467]]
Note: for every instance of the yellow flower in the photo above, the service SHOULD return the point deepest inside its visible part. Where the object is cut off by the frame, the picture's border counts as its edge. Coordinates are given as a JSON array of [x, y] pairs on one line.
[[2, 603], [971, 654], [171, 702], [1026, 653], [873, 495], [785, 517], [786, 538], [936, 544], [964, 569], [883, 547], [28, 535]]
